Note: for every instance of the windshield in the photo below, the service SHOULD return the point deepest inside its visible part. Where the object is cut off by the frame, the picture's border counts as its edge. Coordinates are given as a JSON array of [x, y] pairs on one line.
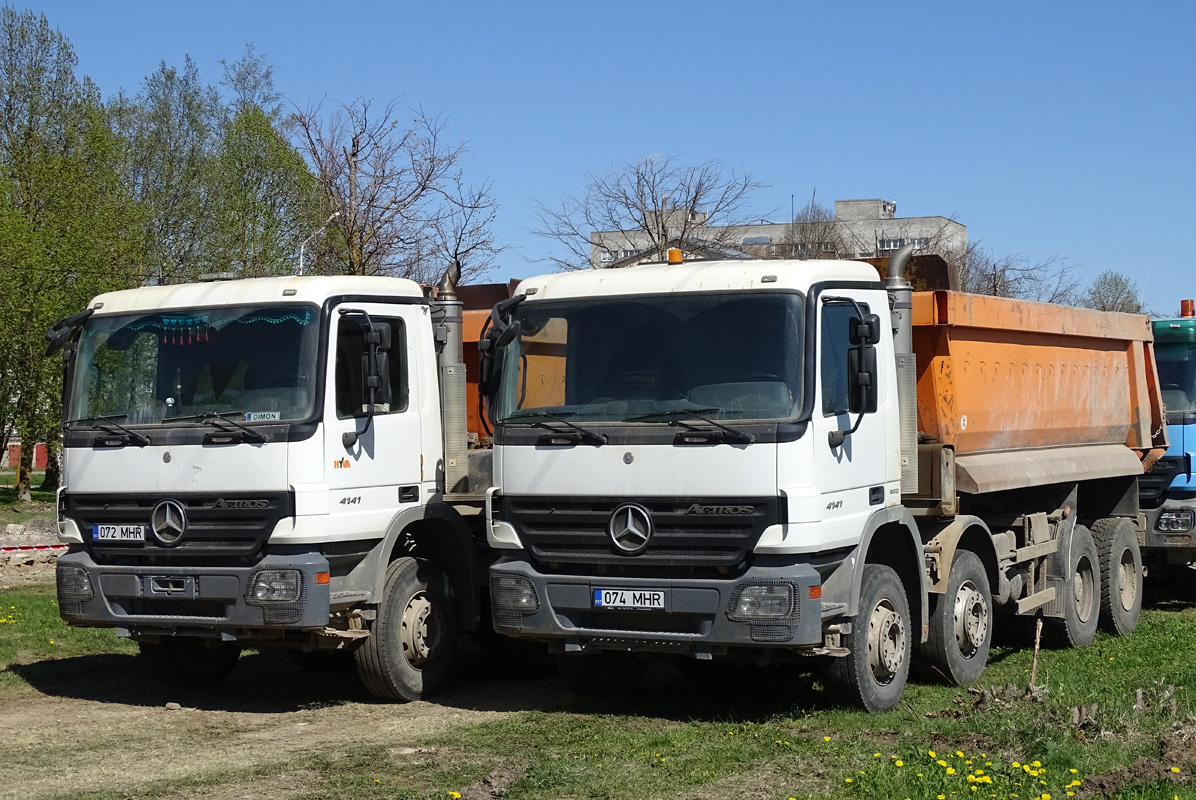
[[1177, 375], [723, 356], [248, 363]]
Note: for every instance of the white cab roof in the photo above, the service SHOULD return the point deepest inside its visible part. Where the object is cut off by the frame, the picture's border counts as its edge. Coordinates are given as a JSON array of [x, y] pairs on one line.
[[255, 291], [696, 276]]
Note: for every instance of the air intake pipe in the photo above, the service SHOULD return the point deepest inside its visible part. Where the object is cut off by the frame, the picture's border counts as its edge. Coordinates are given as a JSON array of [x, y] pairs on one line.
[[448, 332], [901, 296]]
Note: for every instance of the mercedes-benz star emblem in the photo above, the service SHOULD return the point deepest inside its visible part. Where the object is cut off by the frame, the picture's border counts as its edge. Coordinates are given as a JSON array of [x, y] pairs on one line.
[[630, 528], [168, 521]]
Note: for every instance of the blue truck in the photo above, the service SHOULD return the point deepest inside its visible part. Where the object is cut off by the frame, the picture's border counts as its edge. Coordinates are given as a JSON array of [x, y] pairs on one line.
[[1168, 490]]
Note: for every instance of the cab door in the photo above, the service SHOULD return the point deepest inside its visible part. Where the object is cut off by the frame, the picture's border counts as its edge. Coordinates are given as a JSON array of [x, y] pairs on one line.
[[378, 471], [852, 476]]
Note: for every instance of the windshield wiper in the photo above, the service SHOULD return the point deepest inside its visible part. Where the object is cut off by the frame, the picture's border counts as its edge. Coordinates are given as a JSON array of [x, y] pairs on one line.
[[218, 420], [109, 424], [671, 417], [537, 418]]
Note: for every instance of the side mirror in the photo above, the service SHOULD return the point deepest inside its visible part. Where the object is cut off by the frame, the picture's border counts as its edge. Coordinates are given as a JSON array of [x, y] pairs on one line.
[[864, 331], [861, 379]]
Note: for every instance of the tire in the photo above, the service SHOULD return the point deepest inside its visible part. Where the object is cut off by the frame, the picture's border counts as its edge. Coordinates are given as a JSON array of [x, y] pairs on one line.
[[961, 625], [874, 674], [602, 674], [321, 660], [414, 637], [1081, 594], [188, 662], [1120, 574]]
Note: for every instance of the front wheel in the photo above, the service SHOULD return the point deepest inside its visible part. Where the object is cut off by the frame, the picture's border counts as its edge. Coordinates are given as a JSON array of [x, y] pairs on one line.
[[412, 641], [1081, 593], [874, 674], [187, 662], [1120, 574], [956, 650]]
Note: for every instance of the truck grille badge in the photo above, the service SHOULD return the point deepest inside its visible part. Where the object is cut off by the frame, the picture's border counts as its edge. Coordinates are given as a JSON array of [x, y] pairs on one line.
[[630, 528]]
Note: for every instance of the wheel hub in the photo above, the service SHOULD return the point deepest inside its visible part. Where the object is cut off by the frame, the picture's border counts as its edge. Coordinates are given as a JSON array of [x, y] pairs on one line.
[[886, 642], [1127, 581], [422, 630], [970, 618]]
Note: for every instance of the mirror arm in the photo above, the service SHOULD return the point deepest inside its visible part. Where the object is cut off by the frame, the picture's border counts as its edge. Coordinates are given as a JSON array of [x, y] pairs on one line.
[[837, 437]]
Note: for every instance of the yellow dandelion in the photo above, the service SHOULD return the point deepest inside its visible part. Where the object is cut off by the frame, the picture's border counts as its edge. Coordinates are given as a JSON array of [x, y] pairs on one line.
[[941, 763], [826, 738], [971, 779], [847, 780], [1015, 765], [51, 641], [931, 752], [899, 763], [950, 770], [876, 755], [455, 795], [959, 753], [1047, 795], [942, 797], [1175, 769], [377, 781], [1036, 763], [1072, 770]]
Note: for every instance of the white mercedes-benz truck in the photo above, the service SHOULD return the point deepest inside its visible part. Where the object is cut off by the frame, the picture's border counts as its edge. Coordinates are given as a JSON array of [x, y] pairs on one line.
[[773, 460], [273, 462]]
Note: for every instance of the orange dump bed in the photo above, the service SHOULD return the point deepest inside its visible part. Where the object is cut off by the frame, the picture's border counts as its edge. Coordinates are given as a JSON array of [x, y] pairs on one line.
[[996, 374]]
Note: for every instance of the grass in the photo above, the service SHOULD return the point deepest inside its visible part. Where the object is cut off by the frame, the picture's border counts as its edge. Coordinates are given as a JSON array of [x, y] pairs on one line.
[[1117, 720], [14, 512]]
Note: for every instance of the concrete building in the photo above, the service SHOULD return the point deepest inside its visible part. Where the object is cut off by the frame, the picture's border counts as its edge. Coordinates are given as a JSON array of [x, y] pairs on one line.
[[859, 229]]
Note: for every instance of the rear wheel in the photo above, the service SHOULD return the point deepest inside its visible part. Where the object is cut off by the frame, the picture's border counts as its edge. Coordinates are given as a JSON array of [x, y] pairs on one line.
[[956, 650], [602, 674], [1120, 574], [186, 662], [874, 674], [412, 641], [1081, 593]]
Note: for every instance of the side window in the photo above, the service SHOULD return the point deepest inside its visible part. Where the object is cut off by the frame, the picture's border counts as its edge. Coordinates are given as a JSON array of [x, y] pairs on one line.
[[835, 344], [351, 397]]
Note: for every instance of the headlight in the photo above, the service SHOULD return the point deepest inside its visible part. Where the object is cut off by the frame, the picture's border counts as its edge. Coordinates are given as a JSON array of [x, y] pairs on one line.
[[762, 601], [1175, 520], [512, 597], [74, 584], [275, 586]]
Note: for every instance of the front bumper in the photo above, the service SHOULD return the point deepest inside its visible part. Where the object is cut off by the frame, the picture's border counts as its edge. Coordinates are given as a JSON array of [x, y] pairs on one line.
[[157, 599], [699, 615], [1182, 502]]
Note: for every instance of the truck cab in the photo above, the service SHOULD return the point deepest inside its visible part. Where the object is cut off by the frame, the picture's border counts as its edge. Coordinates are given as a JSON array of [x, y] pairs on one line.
[[1169, 489], [263, 462]]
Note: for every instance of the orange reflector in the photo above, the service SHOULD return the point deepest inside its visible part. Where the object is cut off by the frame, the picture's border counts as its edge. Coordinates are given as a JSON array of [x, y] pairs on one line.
[[1187, 308], [815, 592], [674, 255], [322, 577]]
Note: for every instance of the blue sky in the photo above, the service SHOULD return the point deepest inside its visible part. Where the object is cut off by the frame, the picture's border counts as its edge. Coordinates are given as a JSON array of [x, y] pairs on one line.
[[1049, 129]]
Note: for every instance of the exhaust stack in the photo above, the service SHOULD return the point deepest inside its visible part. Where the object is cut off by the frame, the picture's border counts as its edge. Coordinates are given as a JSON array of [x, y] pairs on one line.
[[901, 310], [453, 401]]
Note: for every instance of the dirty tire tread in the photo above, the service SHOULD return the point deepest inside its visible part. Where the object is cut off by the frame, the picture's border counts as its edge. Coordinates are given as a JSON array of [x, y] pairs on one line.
[[385, 673], [184, 663], [1113, 534], [850, 676], [938, 658], [1071, 631]]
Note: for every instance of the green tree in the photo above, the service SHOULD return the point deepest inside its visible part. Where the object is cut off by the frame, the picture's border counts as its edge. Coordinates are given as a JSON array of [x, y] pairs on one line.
[[68, 227], [171, 130], [1112, 291]]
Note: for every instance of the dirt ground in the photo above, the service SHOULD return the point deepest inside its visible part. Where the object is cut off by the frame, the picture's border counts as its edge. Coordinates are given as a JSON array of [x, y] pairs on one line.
[[102, 724]]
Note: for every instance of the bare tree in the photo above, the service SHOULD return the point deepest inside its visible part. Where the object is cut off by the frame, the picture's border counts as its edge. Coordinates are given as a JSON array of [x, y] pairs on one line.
[[813, 233], [398, 190], [643, 208], [1051, 281], [1112, 291]]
